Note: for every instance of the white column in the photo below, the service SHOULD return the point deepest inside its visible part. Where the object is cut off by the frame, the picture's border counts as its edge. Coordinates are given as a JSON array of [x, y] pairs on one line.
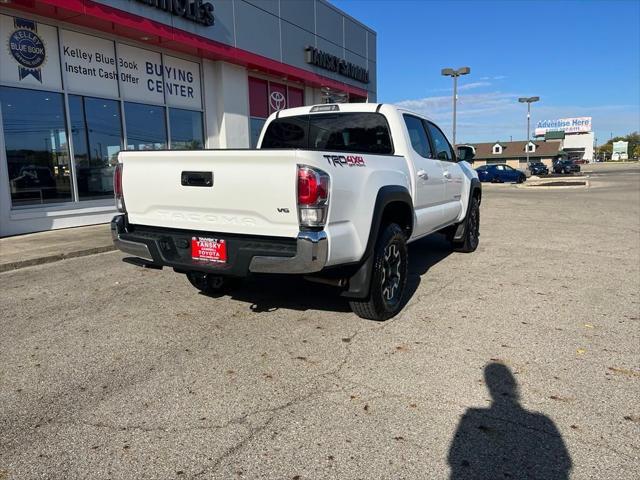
[[226, 105], [309, 96], [210, 95]]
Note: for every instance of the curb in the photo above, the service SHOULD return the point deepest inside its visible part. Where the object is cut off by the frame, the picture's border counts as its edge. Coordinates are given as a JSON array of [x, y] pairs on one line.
[[6, 267], [542, 186]]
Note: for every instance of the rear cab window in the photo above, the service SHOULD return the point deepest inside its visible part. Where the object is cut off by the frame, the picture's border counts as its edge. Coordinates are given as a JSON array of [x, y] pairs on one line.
[[343, 132]]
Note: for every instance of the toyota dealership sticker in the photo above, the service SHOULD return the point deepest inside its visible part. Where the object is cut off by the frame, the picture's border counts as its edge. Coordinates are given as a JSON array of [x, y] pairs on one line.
[[27, 48]]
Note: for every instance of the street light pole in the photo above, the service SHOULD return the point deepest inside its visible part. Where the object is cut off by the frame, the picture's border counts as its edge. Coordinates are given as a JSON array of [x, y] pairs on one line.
[[528, 101], [450, 72], [455, 101], [528, 129]]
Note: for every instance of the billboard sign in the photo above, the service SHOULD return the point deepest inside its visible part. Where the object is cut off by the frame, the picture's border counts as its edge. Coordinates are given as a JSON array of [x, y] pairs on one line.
[[566, 125]]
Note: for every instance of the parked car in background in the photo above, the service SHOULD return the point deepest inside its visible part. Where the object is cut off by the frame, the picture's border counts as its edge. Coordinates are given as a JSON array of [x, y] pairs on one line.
[[538, 168], [500, 173], [565, 166]]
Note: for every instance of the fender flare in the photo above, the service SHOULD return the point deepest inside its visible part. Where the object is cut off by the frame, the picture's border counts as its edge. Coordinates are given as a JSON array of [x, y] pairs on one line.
[[359, 282]]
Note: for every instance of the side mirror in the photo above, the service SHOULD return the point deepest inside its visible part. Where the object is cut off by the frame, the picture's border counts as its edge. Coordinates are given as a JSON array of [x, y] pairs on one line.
[[465, 153]]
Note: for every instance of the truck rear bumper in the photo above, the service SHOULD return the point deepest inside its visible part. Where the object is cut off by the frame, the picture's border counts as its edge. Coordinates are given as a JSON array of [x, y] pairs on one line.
[[172, 248]]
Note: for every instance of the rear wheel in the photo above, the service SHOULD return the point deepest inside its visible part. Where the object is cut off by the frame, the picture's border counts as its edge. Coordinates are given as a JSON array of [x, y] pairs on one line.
[[388, 278], [471, 238], [211, 284]]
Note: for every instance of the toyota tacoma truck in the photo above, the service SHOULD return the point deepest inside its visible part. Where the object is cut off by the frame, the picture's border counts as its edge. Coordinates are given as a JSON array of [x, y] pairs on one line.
[[333, 192]]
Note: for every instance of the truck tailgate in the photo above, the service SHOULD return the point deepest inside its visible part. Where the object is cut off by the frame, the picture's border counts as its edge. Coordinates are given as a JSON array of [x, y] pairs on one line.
[[251, 191]]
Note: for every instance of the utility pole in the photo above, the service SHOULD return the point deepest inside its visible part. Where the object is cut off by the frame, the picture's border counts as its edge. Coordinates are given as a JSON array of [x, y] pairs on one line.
[[450, 72]]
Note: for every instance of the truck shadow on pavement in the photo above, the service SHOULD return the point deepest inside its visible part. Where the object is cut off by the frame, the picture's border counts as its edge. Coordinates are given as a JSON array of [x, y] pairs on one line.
[[269, 293], [505, 440]]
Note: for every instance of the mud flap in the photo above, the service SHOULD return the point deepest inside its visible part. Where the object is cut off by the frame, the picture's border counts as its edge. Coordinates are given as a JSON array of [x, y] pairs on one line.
[[360, 282]]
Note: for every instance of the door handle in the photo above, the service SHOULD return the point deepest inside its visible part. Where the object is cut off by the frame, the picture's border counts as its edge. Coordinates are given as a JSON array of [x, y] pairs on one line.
[[447, 175], [423, 174], [197, 179]]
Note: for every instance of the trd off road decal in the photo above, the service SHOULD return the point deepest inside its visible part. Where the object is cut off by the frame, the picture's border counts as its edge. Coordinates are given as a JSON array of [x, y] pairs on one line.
[[345, 160]]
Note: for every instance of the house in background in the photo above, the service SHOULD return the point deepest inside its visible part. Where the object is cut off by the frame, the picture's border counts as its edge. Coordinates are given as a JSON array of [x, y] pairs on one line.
[[514, 154]]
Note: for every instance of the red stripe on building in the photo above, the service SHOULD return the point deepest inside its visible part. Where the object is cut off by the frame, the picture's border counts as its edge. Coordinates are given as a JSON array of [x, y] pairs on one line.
[[118, 22]]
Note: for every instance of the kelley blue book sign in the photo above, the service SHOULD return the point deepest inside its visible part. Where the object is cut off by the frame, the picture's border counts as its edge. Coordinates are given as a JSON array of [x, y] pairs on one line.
[[91, 66], [29, 53]]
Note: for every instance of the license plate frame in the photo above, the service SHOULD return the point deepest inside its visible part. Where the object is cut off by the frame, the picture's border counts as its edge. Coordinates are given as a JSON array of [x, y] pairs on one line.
[[209, 250]]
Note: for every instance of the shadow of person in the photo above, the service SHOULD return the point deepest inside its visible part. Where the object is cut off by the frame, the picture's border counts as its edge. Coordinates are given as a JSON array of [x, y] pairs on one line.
[[505, 440]]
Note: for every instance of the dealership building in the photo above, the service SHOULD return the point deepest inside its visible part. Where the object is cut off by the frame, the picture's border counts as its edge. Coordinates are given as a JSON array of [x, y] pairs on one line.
[[81, 80]]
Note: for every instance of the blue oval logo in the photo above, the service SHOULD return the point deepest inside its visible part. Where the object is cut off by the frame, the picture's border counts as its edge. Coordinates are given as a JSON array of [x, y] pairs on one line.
[[27, 48]]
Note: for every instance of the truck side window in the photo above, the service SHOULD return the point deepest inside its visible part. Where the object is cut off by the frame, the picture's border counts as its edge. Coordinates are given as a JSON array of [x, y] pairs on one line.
[[440, 143], [418, 136]]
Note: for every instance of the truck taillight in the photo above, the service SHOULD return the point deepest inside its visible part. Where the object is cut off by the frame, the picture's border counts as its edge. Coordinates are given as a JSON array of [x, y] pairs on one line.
[[313, 196], [117, 188]]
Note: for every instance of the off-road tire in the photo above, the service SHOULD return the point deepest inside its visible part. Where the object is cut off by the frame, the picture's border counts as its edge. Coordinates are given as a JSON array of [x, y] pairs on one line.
[[388, 277], [471, 238]]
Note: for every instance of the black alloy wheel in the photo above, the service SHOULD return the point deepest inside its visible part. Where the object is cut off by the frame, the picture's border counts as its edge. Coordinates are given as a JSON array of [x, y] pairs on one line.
[[388, 277], [391, 275], [471, 238]]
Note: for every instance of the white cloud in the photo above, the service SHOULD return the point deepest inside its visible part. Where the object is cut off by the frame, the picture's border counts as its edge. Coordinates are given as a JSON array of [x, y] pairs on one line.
[[497, 115], [472, 85]]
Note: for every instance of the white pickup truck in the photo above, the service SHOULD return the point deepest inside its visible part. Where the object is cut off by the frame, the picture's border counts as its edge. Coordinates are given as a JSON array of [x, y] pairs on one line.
[[334, 192]]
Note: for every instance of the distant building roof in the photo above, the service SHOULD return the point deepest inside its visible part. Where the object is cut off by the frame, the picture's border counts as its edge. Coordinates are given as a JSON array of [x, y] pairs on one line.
[[484, 151]]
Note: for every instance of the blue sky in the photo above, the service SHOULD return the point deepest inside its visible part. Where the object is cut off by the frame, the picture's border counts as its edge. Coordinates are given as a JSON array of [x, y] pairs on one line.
[[581, 57]]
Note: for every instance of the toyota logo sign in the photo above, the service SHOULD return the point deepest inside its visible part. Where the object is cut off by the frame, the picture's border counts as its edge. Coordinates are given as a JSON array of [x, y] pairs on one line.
[[277, 101]]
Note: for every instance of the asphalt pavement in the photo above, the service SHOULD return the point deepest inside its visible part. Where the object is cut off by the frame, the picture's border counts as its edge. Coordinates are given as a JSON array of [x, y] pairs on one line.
[[521, 360]]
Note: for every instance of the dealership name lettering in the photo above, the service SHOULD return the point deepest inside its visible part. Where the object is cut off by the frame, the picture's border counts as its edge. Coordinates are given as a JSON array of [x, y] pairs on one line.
[[332, 63], [197, 11]]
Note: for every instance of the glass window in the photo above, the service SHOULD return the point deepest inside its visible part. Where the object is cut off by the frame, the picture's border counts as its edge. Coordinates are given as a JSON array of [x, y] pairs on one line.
[[36, 145], [418, 136], [186, 129], [97, 139], [256, 128], [440, 143], [258, 98], [146, 126], [347, 132], [296, 97]]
